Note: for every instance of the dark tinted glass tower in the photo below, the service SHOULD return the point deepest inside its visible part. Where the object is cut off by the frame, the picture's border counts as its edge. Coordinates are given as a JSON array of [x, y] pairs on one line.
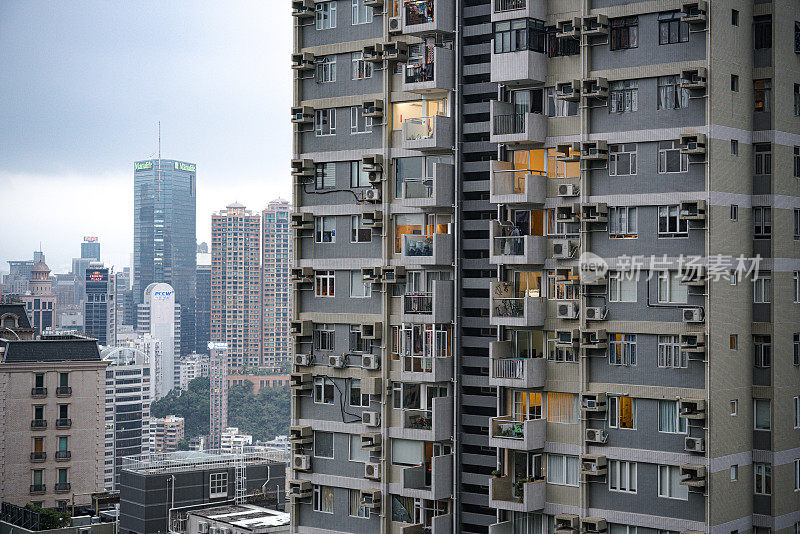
[[164, 239]]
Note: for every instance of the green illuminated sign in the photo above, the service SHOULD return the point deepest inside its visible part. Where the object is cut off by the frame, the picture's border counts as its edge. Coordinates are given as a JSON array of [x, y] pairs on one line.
[[142, 165], [184, 166]]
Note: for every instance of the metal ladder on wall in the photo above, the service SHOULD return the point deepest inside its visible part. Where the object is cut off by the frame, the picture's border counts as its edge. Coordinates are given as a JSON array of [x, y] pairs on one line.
[[241, 479]]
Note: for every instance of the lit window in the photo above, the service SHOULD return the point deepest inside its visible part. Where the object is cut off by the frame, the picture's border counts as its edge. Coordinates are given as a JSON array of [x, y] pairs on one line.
[[323, 497], [621, 412], [324, 283]]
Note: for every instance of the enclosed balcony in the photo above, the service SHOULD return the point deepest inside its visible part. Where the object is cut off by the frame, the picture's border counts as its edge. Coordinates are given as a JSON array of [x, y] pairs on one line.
[[511, 248], [509, 432], [432, 192], [429, 134], [516, 496], [422, 17], [435, 249], [519, 52], [434, 306], [516, 308], [520, 187], [431, 73], [517, 9], [434, 424], [427, 369], [432, 481], [509, 370], [438, 524], [514, 127]]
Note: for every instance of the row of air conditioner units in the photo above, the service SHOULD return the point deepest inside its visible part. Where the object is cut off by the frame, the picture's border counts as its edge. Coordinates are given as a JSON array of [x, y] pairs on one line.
[[599, 436], [304, 328], [390, 51], [587, 212], [387, 275], [695, 13], [368, 361], [589, 339], [568, 309], [574, 524]]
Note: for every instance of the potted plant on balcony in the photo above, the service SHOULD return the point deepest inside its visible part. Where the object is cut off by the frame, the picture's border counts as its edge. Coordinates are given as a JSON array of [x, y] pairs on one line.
[[519, 491]]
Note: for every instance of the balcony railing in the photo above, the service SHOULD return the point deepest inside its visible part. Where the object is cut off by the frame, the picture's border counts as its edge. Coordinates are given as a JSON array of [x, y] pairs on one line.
[[509, 370], [38, 392], [420, 72], [63, 455], [63, 423], [513, 368], [514, 432], [62, 487], [418, 302], [417, 128], [509, 5], [418, 246], [419, 11], [508, 308], [506, 124], [418, 187], [38, 488], [38, 423], [38, 456], [63, 391], [521, 495]]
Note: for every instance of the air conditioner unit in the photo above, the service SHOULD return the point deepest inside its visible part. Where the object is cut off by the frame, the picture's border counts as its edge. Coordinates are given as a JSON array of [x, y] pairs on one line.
[[303, 61], [692, 315], [372, 219], [594, 339], [372, 162], [693, 144], [695, 12], [301, 462], [395, 51], [694, 342], [303, 8], [371, 498], [566, 309], [563, 249], [303, 115], [338, 362], [594, 525], [595, 313], [395, 25], [596, 212], [373, 53], [371, 418], [373, 108], [593, 465], [596, 435], [202, 527], [300, 489], [371, 361], [692, 408], [594, 150], [393, 275], [569, 28], [300, 435], [569, 91], [371, 441], [694, 444], [372, 195], [693, 476], [371, 274], [567, 523], [568, 152], [371, 330], [300, 381], [593, 402], [692, 210], [300, 328], [567, 213], [694, 78], [595, 25], [303, 360], [568, 190], [566, 338], [372, 471], [303, 167], [595, 88]]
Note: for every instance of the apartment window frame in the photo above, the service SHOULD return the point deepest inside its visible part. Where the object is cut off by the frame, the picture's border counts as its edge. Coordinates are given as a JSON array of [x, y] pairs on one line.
[[324, 390], [325, 229], [623, 96], [797, 162], [622, 350], [560, 469], [796, 286], [670, 289], [361, 14], [325, 15], [620, 285], [762, 32], [762, 95], [734, 147], [218, 485], [356, 279], [734, 17], [622, 158], [322, 499], [667, 150], [356, 398], [359, 124], [796, 100], [735, 83], [623, 222], [762, 159], [762, 478], [762, 289], [615, 414], [356, 508], [796, 348], [671, 423], [672, 29], [559, 354], [359, 68], [623, 476], [762, 222], [326, 69], [796, 465], [518, 35], [325, 122], [670, 93], [325, 284], [670, 225], [670, 355], [759, 423], [358, 232], [796, 400], [624, 33], [669, 486], [324, 175], [734, 212]]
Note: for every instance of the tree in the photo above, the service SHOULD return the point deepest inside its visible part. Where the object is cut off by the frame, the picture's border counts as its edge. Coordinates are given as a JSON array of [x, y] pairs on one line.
[[50, 518]]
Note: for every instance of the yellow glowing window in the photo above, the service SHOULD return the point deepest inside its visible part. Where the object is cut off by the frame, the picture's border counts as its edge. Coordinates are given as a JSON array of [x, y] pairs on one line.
[[561, 169], [527, 405]]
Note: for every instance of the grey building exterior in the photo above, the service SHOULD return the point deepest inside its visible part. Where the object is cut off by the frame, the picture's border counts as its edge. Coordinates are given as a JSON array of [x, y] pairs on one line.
[[165, 237], [471, 159]]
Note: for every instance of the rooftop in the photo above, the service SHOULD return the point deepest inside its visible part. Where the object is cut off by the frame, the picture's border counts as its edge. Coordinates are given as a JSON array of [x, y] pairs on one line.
[[245, 517], [55, 348], [170, 462]]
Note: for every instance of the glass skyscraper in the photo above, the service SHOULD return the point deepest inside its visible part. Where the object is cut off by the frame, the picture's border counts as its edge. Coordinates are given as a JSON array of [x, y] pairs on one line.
[[164, 239]]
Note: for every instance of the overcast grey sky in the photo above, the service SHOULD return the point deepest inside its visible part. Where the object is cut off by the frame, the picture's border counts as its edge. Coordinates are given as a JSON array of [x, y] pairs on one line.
[[83, 85]]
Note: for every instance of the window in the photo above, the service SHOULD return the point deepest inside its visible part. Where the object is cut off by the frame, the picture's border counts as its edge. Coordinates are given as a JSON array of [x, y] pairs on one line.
[[323, 497], [559, 354], [762, 478], [559, 108], [797, 162], [357, 509], [358, 232], [323, 336], [326, 69], [734, 342], [624, 33], [621, 287], [796, 348], [796, 286], [734, 147], [669, 486], [358, 122], [358, 177], [762, 289], [622, 476], [671, 29], [361, 70], [326, 15], [734, 212], [762, 222], [37, 477], [325, 229], [562, 470], [762, 95], [521, 34], [359, 288], [325, 175], [762, 32], [357, 343], [797, 37], [562, 408], [797, 475], [669, 420], [734, 473], [670, 355], [323, 390], [734, 17], [325, 121], [623, 222], [622, 349], [561, 46], [624, 96], [622, 160], [621, 412], [762, 159], [762, 414], [357, 398], [797, 412], [670, 93], [323, 444], [670, 159], [670, 224], [63, 380], [218, 485], [734, 83], [670, 289], [361, 14], [797, 99], [734, 407], [324, 283], [63, 443]]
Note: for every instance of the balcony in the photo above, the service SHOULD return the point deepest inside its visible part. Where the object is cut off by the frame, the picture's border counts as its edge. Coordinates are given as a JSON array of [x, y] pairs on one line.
[[434, 306], [516, 311], [523, 67], [516, 9], [63, 456], [509, 371], [433, 192], [440, 524], [38, 489], [63, 391], [516, 186], [38, 393], [504, 494], [63, 423], [435, 484], [436, 249], [505, 432], [429, 77], [427, 369], [38, 456], [435, 424], [434, 134], [515, 249], [62, 487], [515, 128], [38, 424], [420, 17]]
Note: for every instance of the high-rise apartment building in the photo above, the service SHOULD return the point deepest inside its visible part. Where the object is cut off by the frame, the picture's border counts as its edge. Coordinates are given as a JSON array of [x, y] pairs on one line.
[[167, 432], [202, 311], [165, 237], [236, 284], [99, 310], [51, 422], [218, 392], [276, 254], [509, 332]]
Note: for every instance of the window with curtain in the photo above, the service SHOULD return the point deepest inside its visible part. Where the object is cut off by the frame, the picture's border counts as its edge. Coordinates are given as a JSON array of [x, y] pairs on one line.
[[527, 405], [622, 476], [624, 33], [670, 93], [562, 408], [562, 470], [623, 96], [356, 508], [669, 420], [671, 29], [623, 222], [323, 499], [670, 289], [621, 287], [622, 349], [762, 95], [621, 412], [669, 486], [670, 354], [762, 478]]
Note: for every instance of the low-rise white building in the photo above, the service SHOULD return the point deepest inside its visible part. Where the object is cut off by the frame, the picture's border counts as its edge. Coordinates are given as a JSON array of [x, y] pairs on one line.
[[233, 441]]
